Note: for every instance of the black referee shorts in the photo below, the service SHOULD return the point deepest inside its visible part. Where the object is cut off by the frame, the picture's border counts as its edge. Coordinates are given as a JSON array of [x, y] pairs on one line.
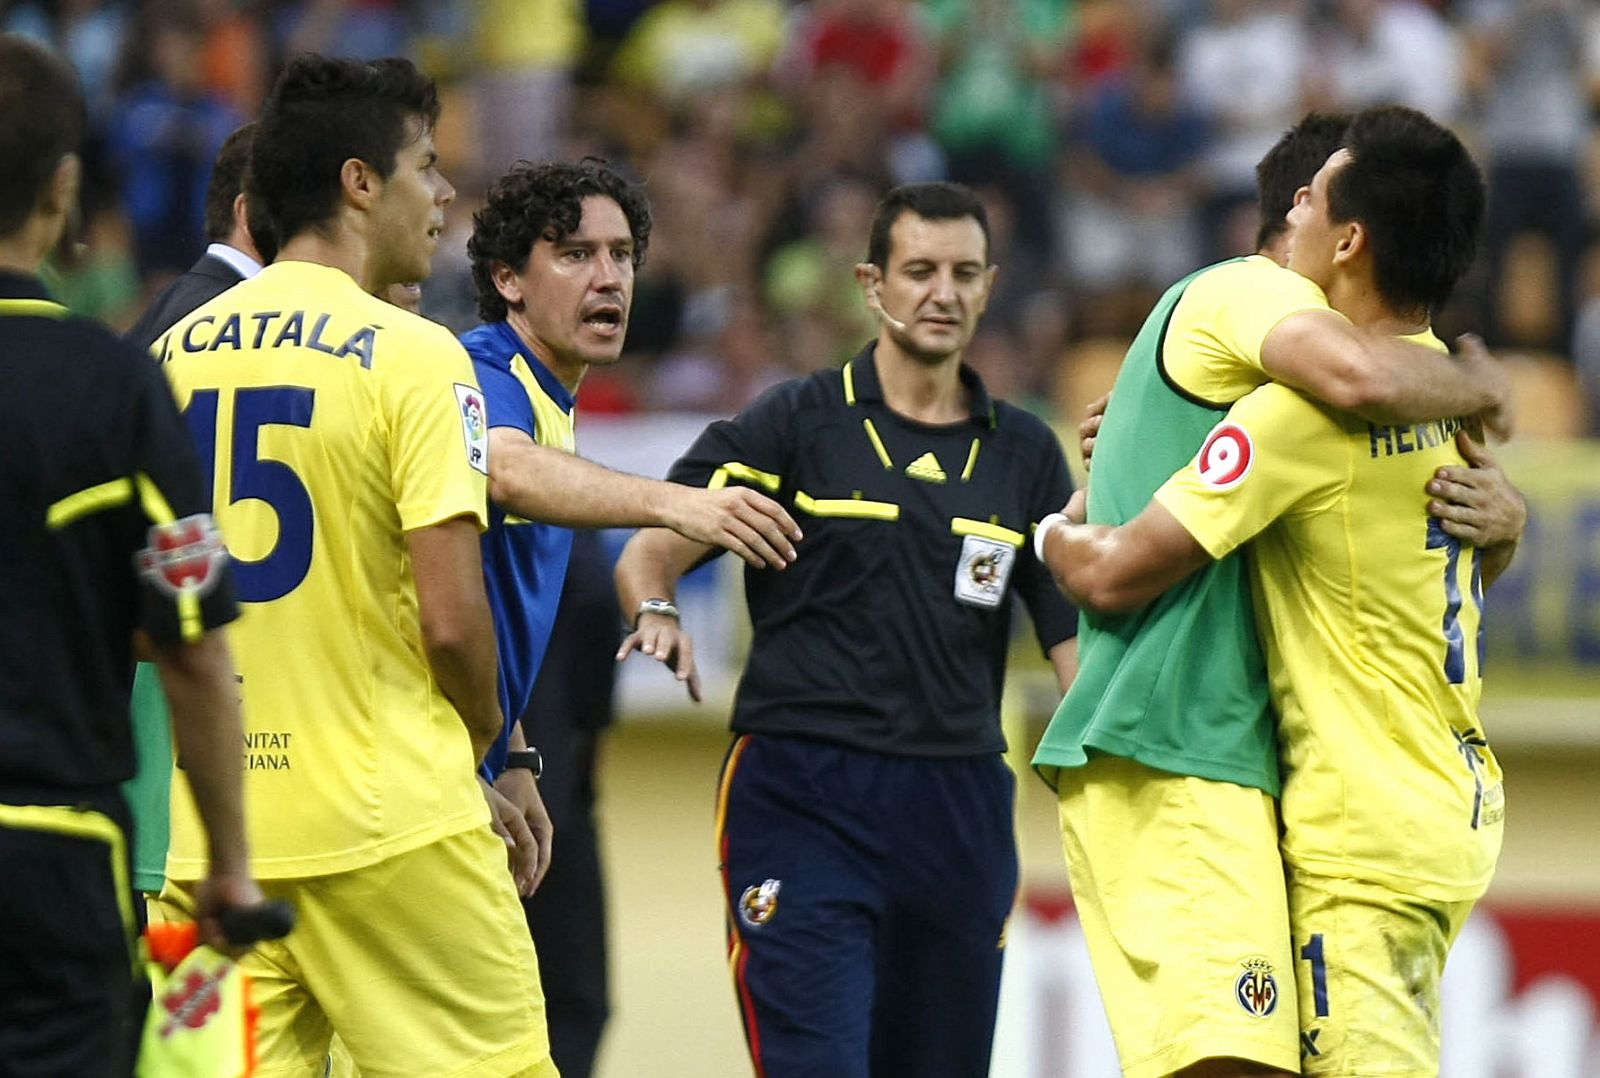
[[66, 960]]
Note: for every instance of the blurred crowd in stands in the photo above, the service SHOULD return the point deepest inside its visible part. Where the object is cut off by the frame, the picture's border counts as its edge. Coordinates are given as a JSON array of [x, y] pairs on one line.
[[1114, 142]]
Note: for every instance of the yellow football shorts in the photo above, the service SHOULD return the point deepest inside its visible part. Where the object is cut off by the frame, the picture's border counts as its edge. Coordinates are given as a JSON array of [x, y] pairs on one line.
[[422, 962], [1368, 970], [1180, 889]]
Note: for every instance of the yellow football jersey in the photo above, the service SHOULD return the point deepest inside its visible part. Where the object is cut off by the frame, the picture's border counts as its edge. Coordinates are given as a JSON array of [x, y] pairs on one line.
[[1371, 618], [1211, 351], [332, 424]]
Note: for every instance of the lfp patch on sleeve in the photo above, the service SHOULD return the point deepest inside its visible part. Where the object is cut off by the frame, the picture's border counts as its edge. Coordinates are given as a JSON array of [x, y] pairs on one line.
[[1226, 457], [185, 557], [475, 425]]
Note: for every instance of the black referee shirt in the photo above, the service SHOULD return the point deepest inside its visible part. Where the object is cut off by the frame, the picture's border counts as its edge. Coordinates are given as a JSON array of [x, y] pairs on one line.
[[889, 632], [103, 530]]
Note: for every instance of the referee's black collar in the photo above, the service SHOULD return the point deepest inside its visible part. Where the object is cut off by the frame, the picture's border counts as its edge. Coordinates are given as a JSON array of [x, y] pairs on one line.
[[861, 384], [14, 285]]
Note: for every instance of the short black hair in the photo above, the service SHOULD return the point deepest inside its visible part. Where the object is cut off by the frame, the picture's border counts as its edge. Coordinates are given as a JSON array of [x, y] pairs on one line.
[[1289, 166], [532, 201], [227, 182], [932, 202], [323, 112], [1421, 197], [259, 224], [42, 119]]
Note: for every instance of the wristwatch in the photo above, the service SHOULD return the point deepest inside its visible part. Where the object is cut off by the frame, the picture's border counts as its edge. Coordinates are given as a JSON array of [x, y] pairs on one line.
[[664, 607], [528, 758]]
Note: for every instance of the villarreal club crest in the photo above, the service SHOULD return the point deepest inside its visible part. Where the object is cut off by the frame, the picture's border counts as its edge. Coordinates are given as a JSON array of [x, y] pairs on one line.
[[1256, 988]]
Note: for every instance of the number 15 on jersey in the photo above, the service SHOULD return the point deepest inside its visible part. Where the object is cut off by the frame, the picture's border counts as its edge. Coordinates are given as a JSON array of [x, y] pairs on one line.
[[252, 477]]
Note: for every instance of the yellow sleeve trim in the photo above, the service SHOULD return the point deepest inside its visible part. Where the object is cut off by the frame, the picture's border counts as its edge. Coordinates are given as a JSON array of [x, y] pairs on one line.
[[157, 509], [845, 507], [985, 530], [82, 823], [39, 308], [734, 470], [101, 496]]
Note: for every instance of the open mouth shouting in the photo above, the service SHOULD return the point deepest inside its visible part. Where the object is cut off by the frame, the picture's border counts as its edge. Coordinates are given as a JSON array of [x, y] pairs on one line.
[[604, 319]]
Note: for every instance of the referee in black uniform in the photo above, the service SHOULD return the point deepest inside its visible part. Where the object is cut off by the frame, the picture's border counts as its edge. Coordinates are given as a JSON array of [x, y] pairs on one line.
[[865, 813], [103, 539]]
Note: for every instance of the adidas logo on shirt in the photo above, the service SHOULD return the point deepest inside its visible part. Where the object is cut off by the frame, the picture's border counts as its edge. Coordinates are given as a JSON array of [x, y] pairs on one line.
[[926, 468]]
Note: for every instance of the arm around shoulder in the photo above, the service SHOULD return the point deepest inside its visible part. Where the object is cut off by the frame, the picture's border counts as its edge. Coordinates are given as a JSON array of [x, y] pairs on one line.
[[1382, 378]]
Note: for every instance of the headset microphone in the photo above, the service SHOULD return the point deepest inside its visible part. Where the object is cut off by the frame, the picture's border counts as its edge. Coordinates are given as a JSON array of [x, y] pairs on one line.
[[888, 319]]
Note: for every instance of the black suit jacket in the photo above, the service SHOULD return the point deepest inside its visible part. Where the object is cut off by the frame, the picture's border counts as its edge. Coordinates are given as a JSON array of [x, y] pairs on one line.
[[203, 281]]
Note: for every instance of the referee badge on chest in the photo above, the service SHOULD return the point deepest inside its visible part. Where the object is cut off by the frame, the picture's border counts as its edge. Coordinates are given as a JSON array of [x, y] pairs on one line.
[[983, 570]]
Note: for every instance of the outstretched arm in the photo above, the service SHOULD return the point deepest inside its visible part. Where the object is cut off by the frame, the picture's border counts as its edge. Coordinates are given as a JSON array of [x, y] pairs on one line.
[[536, 482]]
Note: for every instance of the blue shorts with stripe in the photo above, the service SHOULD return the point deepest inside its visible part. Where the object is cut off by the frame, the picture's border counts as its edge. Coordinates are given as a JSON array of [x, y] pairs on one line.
[[867, 903]]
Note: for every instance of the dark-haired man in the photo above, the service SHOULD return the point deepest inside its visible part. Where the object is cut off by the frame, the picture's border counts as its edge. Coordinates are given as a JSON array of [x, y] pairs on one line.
[[1391, 799], [864, 822], [554, 251], [239, 244], [350, 455], [103, 537]]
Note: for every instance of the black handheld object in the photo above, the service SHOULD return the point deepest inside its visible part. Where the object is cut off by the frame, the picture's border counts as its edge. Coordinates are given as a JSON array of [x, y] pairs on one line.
[[252, 924]]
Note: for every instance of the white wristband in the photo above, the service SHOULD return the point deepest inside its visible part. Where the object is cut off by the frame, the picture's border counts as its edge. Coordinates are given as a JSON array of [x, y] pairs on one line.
[[1042, 529]]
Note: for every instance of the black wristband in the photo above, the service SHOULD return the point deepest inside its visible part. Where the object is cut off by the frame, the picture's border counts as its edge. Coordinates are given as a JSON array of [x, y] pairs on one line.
[[529, 759]]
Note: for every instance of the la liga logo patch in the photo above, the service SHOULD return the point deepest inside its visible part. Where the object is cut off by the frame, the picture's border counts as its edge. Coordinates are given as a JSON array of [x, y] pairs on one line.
[[474, 425], [1226, 457]]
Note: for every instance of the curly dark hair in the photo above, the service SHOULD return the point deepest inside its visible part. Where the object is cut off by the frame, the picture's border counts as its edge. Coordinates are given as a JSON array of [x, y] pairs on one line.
[[533, 201]]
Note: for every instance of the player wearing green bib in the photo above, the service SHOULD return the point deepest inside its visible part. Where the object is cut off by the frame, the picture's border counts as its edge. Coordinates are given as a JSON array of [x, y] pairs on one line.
[[1163, 753]]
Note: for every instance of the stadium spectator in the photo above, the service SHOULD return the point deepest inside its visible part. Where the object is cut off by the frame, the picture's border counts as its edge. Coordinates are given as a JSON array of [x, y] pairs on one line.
[[680, 49], [1133, 176], [164, 135], [526, 52], [1387, 52], [236, 249], [1244, 67], [877, 53], [1533, 77], [994, 111]]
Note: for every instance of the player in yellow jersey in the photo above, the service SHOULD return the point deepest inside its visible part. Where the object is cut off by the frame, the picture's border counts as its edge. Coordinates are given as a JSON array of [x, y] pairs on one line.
[[1369, 611], [347, 443]]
